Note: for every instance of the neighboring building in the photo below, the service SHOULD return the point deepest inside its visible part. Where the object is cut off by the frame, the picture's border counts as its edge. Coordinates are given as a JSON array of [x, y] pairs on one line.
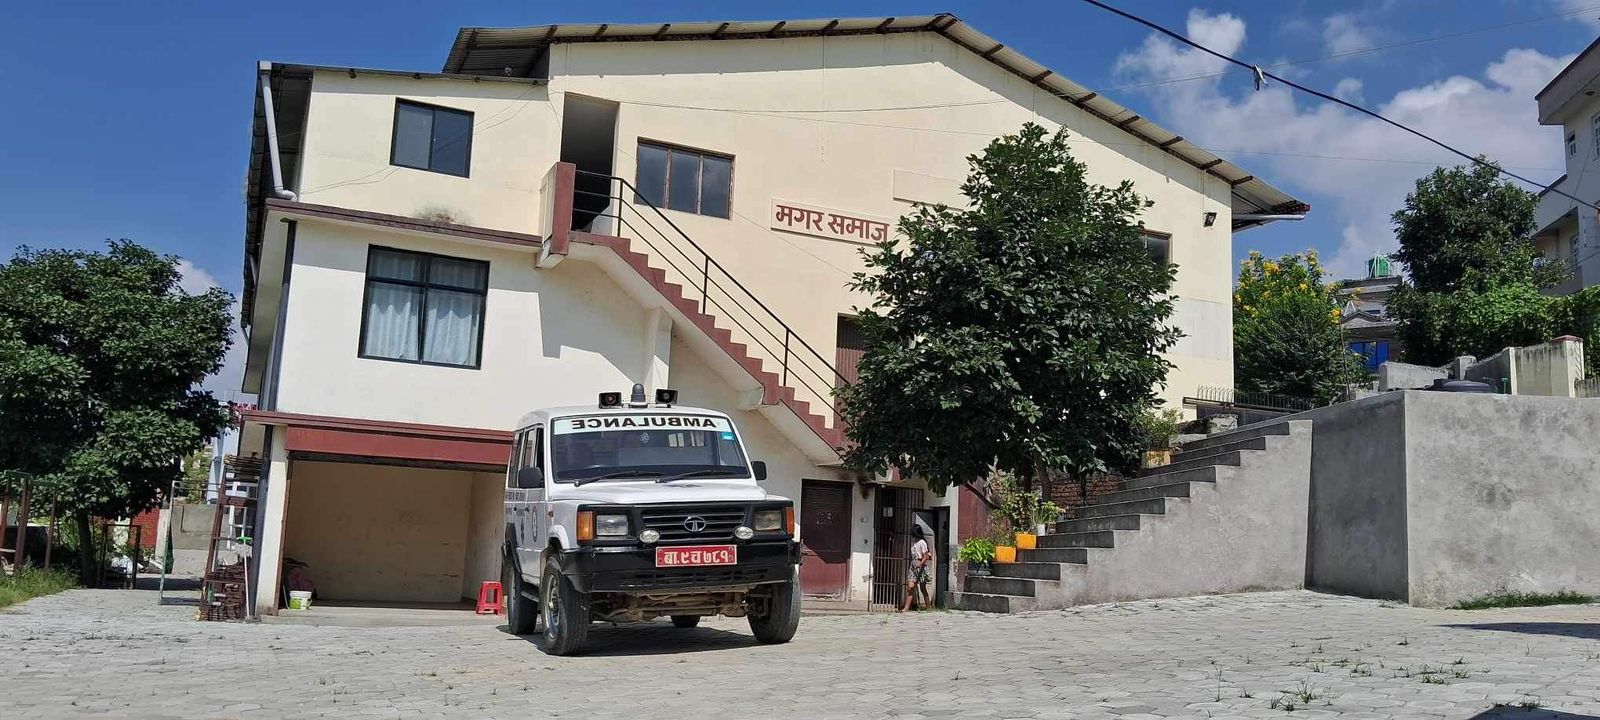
[[444, 252], [1565, 233], [1368, 329]]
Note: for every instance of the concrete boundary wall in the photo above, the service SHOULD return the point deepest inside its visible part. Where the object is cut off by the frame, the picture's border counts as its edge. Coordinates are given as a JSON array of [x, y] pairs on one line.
[[1434, 498]]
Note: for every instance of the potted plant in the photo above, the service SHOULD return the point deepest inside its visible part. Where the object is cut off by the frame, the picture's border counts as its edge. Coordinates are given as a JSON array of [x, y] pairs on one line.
[[1044, 513], [1157, 430], [977, 553]]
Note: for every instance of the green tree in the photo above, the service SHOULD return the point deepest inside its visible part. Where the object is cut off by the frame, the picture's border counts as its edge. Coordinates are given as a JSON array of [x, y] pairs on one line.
[[100, 357], [1023, 335], [1473, 275], [1286, 336]]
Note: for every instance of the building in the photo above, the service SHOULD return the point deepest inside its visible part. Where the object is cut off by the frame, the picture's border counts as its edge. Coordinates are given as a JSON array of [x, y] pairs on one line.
[[574, 208], [1368, 329], [1565, 234]]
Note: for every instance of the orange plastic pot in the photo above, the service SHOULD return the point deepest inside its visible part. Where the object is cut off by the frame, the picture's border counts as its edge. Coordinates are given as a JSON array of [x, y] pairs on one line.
[[1027, 541], [1005, 554]]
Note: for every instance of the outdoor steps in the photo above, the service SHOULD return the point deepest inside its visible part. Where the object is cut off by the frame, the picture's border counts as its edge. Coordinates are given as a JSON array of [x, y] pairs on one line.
[[1216, 501]]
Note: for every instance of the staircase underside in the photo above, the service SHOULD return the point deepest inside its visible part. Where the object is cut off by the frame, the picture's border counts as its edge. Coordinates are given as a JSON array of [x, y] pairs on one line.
[[1229, 515], [648, 284]]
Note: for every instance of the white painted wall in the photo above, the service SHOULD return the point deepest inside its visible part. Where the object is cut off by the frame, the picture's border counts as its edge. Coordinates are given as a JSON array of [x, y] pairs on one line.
[[350, 125], [550, 337], [731, 97]]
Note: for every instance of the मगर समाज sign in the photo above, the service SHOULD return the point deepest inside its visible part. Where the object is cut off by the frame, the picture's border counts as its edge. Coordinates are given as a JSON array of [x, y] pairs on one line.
[[804, 219]]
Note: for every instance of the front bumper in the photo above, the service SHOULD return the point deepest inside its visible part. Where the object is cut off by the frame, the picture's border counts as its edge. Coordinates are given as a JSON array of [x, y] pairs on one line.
[[633, 569]]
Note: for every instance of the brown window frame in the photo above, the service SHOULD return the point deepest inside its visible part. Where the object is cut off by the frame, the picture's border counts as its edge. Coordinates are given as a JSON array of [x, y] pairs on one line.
[[666, 187]]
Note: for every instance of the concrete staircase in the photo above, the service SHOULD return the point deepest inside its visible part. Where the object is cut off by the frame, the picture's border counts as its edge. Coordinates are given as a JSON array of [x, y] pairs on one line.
[[1228, 515]]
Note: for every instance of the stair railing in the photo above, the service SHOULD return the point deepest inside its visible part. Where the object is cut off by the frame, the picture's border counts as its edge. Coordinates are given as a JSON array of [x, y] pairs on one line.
[[642, 220]]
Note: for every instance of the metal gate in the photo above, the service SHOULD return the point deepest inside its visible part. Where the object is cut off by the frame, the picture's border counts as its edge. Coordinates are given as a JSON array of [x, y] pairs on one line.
[[895, 514]]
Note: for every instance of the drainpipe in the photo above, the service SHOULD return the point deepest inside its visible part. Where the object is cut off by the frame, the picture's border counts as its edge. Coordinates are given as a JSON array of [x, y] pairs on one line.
[[272, 136]]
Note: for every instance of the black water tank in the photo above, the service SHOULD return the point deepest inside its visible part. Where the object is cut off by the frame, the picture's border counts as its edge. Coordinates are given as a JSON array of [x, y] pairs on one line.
[[1460, 386]]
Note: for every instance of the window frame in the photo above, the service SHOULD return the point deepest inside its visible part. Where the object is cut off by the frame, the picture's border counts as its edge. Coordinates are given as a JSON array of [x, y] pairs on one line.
[[666, 187], [1572, 145], [394, 136], [1594, 133], [422, 311]]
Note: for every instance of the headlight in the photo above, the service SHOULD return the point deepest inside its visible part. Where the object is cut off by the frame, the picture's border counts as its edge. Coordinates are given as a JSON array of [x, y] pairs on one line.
[[743, 533], [768, 520], [648, 536], [610, 525]]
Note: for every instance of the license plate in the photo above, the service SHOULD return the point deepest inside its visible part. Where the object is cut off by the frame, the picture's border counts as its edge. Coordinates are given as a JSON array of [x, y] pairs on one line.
[[693, 555]]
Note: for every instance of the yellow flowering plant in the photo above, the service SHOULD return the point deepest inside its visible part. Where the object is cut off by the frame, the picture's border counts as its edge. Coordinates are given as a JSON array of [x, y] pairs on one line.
[[1287, 338]]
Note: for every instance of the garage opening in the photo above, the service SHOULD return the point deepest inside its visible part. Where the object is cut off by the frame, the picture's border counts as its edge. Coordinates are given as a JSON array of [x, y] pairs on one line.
[[393, 535]]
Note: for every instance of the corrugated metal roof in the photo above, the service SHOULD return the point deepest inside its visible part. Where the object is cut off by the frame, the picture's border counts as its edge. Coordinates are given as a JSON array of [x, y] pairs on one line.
[[518, 52]]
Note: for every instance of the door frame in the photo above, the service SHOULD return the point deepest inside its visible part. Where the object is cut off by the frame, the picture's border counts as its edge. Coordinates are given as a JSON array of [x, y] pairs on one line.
[[848, 527]]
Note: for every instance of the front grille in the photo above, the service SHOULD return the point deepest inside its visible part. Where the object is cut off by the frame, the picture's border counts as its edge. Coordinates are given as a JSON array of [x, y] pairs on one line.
[[698, 577], [720, 520]]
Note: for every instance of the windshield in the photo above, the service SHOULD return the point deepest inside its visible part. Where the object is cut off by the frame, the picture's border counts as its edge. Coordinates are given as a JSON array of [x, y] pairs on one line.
[[645, 446]]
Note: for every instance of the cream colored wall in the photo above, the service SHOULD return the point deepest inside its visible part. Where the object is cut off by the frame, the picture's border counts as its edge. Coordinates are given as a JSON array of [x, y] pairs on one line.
[[372, 532], [729, 97], [515, 139], [550, 337], [485, 532]]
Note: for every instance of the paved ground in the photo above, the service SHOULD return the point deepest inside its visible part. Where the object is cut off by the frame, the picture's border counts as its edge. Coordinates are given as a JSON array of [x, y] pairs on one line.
[[117, 653]]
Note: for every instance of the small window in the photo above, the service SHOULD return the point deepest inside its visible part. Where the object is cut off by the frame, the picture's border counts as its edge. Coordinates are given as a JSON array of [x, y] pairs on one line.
[[686, 180], [423, 308], [1594, 131], [1572, 145], [1159, 247], [433, 138]]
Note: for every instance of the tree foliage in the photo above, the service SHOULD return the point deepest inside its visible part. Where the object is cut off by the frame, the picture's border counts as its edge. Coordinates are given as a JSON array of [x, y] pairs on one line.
[[1023, 335], [1286, 336], [1474, 277], [100, 358]]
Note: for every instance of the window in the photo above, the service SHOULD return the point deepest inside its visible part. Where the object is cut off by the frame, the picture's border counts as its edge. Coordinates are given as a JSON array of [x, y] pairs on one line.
[[688, 180], [423, 308], [1159, 247], [1572, 145], [1594, 131], [431, 138]]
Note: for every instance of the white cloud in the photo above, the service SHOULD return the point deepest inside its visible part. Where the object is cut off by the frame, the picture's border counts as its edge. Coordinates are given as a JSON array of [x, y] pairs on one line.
[[1348, 89], [1494, 115], [193, 280], [1342, 33], [1582, 11], [225, 383]]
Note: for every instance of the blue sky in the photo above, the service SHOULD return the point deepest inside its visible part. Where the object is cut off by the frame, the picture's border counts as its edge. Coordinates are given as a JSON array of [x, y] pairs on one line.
[[132, 119]]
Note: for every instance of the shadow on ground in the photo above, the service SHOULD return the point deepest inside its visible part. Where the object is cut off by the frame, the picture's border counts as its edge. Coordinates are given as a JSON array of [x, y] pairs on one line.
[[1585, 631], [1510, 712], [652, 638]]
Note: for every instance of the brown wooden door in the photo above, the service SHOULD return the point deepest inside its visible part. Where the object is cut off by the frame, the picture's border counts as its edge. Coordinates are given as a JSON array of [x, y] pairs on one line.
[[824, 539], [850, 347]]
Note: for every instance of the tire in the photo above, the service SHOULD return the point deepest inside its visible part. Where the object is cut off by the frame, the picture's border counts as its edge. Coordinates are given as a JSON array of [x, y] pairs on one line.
[[782, 618], [521, 612], [685, 621], [565, 612]]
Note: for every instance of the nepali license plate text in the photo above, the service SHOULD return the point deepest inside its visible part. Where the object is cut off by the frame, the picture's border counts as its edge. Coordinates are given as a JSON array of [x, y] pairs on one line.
[[691, 555]]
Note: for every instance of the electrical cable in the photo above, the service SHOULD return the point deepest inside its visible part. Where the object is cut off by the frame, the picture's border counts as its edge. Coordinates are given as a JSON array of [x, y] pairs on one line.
[[1476, 160]]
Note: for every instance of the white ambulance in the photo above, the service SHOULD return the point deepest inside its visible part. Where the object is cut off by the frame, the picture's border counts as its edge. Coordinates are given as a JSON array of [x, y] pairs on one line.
[[625, 512]]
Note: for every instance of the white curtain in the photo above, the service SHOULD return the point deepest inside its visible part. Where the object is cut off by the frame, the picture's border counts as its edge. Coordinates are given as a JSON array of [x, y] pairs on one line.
[[456, 273], [453, 319], [392, 321]]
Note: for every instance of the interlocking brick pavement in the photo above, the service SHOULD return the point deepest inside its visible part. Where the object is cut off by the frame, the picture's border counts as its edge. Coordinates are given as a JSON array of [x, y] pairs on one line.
[[119, 654]]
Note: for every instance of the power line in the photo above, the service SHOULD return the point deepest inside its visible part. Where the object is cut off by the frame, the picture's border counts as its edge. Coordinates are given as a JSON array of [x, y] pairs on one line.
[[1260, 73], [1370, 50]]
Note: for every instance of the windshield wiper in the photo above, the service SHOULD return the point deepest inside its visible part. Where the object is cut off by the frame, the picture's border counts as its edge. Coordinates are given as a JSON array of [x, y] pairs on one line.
[[615, 475], [717, 472]]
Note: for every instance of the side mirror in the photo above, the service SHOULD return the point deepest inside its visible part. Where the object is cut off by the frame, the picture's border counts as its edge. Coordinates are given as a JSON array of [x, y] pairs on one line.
[[529, 478], [759, 469]]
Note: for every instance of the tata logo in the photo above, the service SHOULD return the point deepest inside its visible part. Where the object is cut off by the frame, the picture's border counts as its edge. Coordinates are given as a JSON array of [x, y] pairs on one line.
[[694, 524]]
